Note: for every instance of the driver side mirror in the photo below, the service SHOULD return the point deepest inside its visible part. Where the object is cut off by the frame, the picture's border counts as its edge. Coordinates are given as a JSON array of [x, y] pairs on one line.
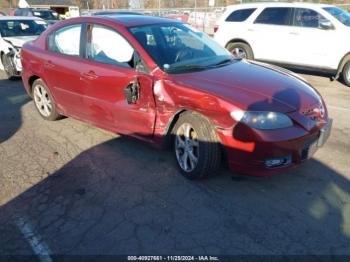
[[326, 24]]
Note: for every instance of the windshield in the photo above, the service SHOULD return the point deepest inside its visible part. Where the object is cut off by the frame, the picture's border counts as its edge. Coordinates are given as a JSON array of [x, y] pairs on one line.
[[340, 14], [45, 14], [178, 48], [10, 28]]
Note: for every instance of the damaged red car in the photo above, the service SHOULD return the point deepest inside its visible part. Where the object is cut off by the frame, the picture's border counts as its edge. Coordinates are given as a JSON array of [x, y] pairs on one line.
[[166, 83]]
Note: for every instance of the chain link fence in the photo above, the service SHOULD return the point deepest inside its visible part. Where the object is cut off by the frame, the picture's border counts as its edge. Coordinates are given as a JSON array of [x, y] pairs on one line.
[[191, 11], [203, 19]]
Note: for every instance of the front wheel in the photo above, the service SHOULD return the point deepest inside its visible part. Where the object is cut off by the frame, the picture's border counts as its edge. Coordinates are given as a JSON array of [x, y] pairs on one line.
[[196, 146], [240, 50], [346, 73], [9, 67]]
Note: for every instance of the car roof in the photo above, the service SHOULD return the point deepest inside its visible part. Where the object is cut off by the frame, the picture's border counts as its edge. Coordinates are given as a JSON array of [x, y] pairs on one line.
[[133, 20], [278, 4], [116, 12], [19, 18]]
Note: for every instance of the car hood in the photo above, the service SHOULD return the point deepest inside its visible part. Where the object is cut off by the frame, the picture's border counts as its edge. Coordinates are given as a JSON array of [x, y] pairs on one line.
[[253, 86], [19, 41]]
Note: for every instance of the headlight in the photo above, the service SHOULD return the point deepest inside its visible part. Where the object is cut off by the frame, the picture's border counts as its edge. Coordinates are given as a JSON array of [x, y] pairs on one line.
[[262, 120]]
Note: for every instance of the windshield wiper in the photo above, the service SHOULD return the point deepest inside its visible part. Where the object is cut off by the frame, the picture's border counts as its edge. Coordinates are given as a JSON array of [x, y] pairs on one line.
[[186, 67], [198, 67], [222, 62]]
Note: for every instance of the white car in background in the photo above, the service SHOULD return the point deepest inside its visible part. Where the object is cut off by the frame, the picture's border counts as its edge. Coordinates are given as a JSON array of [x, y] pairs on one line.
[[295, 35], [14, 32]]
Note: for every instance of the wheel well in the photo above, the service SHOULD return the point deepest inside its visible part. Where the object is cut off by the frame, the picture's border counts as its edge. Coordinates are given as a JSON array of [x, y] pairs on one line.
[[237, 40], [172, 123], [31, 81], [342, 63], [1, 53]]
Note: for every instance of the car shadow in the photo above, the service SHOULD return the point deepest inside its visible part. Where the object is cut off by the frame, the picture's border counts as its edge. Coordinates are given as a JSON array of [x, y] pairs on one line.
[[123, 197], [12, 98]]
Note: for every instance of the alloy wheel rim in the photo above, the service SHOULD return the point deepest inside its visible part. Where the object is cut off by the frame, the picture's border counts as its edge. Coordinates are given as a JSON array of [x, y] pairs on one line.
[[238, 52], [187, 147], [42, 100]]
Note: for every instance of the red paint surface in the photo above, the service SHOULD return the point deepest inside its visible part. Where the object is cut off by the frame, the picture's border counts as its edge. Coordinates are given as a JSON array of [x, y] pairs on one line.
[[94, 93]]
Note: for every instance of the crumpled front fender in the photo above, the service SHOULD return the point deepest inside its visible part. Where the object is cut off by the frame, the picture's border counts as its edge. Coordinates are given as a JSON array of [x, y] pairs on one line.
[[8, 49]]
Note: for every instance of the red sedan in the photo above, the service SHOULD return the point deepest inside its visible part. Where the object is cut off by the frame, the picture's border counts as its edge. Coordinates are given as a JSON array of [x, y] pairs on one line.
[[163, 82]]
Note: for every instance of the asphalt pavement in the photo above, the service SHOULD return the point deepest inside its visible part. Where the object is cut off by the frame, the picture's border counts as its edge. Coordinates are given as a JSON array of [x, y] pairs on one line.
[[70, 188]]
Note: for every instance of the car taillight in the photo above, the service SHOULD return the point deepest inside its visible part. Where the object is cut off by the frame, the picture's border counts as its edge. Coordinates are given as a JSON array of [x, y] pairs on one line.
[[216, 28]]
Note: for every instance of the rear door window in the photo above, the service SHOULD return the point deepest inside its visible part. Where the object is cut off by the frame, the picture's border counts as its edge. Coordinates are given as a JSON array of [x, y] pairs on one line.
[[107, 46], [66, 40], [240, 15], [274, 16]]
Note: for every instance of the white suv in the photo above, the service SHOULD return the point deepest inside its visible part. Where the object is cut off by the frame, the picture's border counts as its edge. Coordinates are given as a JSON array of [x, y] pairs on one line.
[[301, 35]]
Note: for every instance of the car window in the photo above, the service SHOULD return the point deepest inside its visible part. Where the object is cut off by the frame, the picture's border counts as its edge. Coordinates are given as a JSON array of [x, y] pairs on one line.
[[340, 14], [307, 18], [26, 27], [109, 47], [274, 16], [240, 15], [66, 40], [178, 45], [45, 14]]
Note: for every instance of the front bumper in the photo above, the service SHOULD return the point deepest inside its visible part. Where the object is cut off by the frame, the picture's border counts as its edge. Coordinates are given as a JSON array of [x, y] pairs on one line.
[[251, 158]]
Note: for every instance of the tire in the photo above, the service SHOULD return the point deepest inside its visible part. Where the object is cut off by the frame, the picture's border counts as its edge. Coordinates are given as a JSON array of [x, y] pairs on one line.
[[9, 69], [44, 102], [193, 135], [346, 73], [240, 50]]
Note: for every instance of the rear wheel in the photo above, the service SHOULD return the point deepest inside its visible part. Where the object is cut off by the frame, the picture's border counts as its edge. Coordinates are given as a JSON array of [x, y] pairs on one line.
[[43, 101], [240, 50], [196, 146], [346, 73], [9, 68]]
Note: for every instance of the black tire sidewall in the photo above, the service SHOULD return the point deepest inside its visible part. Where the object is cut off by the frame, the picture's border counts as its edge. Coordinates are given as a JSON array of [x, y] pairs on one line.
[[54, 114], [247, 49], [345, 69], [206, 143]]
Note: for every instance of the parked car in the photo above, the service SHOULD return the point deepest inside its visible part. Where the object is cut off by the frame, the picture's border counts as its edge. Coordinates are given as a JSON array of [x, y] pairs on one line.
[[169, 83], [14, 32], [50, 16], [116, 12], [300, 35], [181, 17]]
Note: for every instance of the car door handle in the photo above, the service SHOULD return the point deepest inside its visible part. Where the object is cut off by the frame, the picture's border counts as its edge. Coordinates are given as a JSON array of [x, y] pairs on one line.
[[251, 30], [49, 64], [91, 75], [293, 33]]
